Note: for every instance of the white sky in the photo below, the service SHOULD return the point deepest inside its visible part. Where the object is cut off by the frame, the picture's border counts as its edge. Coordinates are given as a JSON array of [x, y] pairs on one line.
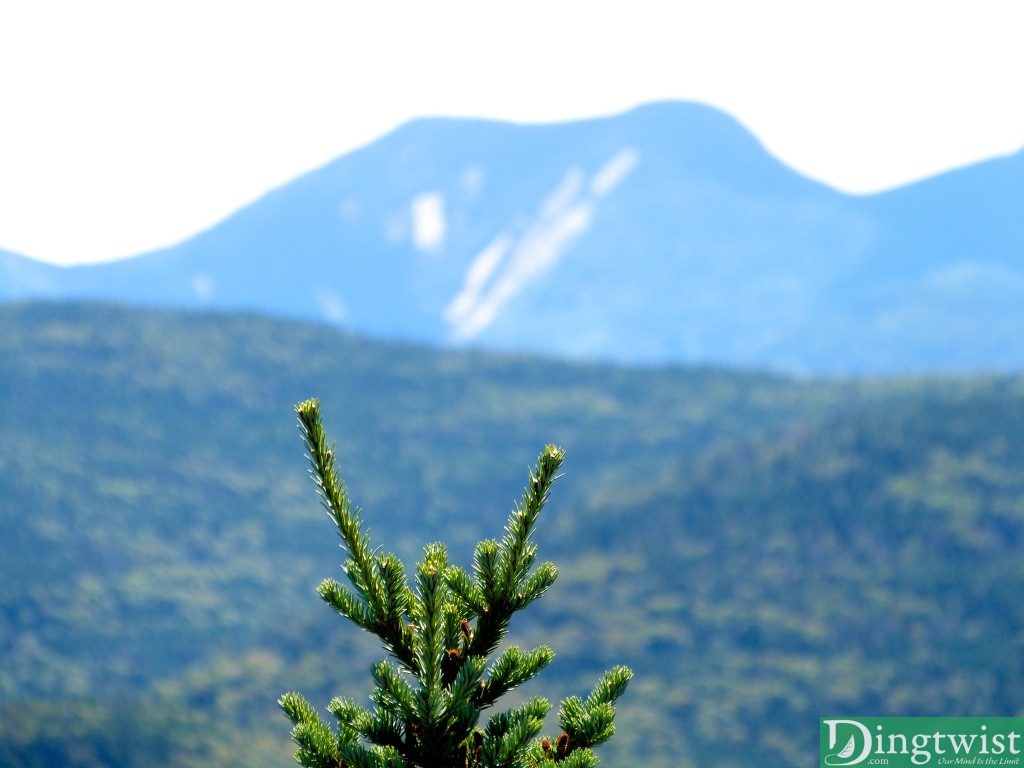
[[125, 126]]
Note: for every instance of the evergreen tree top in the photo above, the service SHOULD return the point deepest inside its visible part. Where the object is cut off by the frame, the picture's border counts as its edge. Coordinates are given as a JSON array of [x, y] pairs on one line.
[[441, 632]]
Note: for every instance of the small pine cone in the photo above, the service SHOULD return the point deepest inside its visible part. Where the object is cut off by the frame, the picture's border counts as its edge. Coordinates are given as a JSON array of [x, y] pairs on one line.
[[563, 745]]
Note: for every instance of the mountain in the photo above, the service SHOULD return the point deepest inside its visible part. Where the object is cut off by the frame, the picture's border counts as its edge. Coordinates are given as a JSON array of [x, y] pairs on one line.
[[22, 276], [666, 234], [760, 549]]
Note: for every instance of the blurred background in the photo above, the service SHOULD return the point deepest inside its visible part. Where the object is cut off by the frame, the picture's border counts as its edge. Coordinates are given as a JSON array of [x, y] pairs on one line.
[[758, 269]]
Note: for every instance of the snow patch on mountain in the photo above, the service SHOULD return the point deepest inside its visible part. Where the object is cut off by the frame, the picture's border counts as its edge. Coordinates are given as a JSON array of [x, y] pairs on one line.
[[349, 208], [332, 308], [202, 286], [472, 180], [614, 171], [475, 281], [428, 221], [509, 263]]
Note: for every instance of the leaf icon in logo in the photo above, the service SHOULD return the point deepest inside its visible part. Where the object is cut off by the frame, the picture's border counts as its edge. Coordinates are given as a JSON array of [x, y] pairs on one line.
[[848, 749]]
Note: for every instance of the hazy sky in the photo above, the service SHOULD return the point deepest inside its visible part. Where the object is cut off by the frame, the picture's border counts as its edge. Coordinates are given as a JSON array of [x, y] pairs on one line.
[[125, 126]]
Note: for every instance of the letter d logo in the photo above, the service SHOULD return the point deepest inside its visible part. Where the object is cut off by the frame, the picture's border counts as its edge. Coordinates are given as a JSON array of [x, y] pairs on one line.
[[848, 750]]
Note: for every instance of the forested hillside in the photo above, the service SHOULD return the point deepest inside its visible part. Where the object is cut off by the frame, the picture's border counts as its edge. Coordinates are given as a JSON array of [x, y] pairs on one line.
[[762, 551]]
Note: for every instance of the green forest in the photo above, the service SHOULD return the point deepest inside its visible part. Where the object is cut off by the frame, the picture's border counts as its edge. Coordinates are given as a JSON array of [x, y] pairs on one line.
[[760, 550]]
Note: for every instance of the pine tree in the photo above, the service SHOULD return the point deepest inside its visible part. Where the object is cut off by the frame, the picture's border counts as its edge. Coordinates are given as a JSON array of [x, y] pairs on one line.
[[441, 633]]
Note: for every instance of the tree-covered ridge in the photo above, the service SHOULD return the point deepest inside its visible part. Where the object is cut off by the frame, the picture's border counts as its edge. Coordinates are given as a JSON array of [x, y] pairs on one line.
[[759, 550], [870, 563]]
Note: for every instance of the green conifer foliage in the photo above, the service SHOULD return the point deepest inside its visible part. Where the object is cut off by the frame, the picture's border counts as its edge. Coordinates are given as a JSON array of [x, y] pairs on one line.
[[441, 632]]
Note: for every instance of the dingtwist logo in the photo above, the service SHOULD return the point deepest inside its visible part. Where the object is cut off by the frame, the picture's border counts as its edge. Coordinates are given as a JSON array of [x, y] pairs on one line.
[[840, 757], [911, 742]]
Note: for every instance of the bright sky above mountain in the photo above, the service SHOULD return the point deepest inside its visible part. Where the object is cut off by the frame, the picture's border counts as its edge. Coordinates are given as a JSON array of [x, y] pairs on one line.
[[125, 126]]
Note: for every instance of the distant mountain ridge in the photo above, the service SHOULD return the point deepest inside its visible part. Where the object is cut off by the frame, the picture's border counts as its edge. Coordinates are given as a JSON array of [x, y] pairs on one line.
[[667, 234]]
